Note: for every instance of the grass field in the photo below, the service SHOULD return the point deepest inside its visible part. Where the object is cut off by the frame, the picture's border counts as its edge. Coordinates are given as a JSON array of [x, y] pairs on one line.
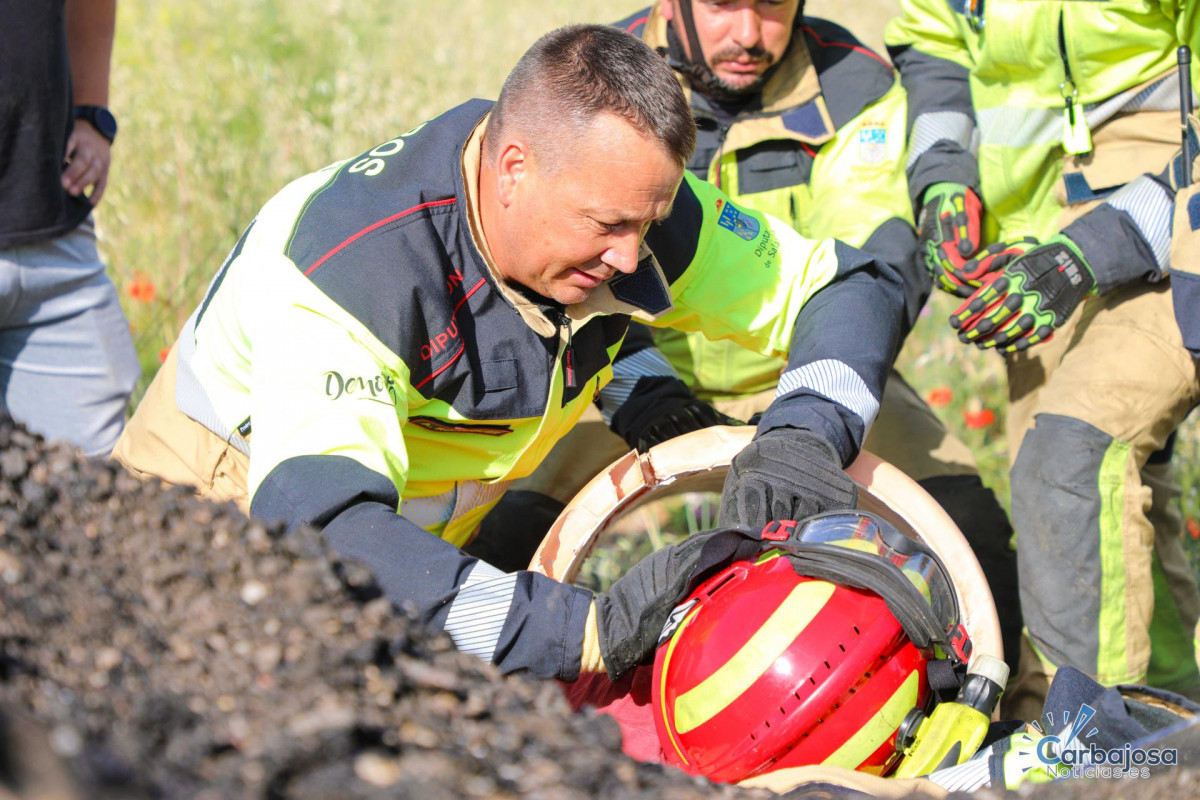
[[224, 102]]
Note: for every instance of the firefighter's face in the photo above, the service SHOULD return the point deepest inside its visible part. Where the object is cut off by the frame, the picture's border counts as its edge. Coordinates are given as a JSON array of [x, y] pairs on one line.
[[570, 225], [741, 39]]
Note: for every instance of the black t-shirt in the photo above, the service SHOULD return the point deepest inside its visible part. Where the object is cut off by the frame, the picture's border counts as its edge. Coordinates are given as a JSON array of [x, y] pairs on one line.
[[35, 121]]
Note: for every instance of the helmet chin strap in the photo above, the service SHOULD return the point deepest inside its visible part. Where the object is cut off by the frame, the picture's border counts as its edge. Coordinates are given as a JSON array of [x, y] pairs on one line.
[[695, 66], [696, 61]]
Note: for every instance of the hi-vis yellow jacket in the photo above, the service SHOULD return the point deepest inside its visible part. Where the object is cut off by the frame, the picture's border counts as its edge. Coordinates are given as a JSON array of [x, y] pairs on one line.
[[823, 149], [387, 386], [1004, 93]]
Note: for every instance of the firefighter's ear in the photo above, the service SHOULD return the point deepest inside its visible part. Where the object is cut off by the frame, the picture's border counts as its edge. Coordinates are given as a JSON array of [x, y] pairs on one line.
[[512, 170]]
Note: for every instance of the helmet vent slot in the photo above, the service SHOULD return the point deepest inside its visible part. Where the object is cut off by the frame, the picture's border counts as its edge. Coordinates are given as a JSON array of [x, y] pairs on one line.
[[722, 584]]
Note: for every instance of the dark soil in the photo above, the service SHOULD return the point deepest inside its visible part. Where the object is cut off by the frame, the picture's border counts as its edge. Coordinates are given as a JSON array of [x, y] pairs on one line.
[[172, 648], [153, 645]]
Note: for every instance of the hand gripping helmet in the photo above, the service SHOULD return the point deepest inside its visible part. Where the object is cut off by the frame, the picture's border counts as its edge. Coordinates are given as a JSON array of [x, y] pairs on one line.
[[812, 658]]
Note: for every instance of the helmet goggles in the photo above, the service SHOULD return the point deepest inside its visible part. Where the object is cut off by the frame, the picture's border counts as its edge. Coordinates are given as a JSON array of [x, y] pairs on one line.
[[860, 549]]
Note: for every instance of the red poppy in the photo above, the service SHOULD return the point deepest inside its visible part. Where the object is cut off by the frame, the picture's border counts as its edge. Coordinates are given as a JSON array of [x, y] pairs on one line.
[[939, 397], [142, 289], [1193, 528], [162, 355], [979, 419]]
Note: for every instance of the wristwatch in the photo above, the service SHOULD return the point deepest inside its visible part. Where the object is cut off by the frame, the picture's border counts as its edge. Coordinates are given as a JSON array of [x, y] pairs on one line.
[[100, 118]]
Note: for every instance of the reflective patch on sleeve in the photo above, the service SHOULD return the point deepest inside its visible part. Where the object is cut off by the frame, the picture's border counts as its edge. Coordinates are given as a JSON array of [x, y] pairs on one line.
[[477, 615], [439, 509], [937, 126], [835, 380], [1146, 201]]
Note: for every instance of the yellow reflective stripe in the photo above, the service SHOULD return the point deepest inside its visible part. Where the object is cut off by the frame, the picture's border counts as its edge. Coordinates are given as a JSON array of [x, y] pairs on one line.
[[701, 703], [1112, 664], [871, 736], [662, 687]]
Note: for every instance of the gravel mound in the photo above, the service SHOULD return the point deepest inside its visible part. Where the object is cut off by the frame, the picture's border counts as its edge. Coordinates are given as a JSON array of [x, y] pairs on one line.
[[172, 648], [153, 645]]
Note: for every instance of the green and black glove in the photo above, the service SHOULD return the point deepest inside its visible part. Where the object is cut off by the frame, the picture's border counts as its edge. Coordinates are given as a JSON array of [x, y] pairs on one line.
[[950, 225], [786, 473], [1028, 300], [992, 260], [630, 616]]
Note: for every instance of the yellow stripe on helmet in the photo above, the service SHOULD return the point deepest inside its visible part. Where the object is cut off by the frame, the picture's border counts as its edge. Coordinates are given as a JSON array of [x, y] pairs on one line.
[[871, 736], [704, 701], [662, 688]]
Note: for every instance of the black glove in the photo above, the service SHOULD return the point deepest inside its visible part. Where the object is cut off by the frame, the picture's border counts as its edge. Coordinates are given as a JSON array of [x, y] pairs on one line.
[[631, 614], [661, 408], [786, 473]]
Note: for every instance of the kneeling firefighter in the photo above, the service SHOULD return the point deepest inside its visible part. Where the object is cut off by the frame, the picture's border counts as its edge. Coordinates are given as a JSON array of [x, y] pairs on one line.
[[831, 647]]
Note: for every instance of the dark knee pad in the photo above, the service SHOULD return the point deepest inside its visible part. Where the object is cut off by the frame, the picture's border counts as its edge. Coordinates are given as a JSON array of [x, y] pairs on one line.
[[979, 515], [513, 529], [1058, 501]]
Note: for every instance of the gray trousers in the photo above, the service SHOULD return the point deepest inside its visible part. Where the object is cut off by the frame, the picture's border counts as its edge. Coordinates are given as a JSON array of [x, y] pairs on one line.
[[67, 360]]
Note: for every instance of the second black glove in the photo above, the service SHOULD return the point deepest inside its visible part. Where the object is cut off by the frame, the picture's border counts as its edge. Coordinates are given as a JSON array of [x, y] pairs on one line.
[[661, 408], [786, 473]]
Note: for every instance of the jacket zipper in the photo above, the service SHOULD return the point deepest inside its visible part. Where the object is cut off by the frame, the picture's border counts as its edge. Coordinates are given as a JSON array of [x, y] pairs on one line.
[[569, 355]]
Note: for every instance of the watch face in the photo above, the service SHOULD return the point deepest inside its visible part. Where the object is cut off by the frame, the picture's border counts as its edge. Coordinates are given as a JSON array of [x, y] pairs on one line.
[[106, 123], [100, 118]]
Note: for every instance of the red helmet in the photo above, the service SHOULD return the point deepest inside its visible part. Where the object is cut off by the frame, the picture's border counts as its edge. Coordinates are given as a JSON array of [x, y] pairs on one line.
[[764, 668]]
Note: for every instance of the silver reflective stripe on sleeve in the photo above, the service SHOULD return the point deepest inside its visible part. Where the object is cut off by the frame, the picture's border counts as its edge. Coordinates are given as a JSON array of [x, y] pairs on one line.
[[835, 380], [433, 510], [967, 777], [645, 363], [1146, 201], [478, 613], [937, 126]]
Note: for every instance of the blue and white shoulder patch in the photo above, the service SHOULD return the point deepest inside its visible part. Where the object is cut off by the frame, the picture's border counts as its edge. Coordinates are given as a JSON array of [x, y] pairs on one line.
[[739, 222]]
